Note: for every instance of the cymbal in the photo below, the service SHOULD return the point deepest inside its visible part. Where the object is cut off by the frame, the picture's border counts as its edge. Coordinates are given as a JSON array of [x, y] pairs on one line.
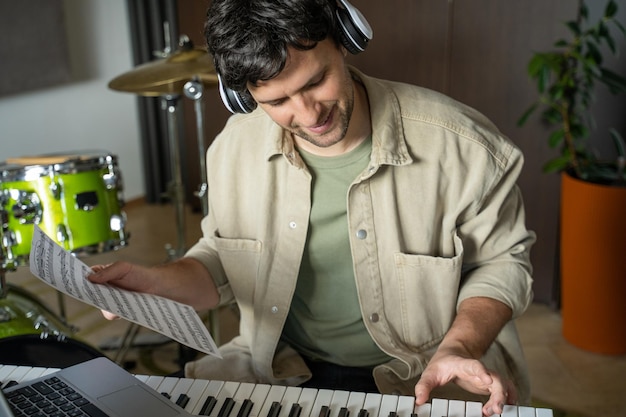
[[167, 76]]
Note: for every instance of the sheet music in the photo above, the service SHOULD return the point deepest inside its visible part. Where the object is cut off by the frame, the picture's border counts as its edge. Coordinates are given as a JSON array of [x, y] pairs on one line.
[[63, 271]]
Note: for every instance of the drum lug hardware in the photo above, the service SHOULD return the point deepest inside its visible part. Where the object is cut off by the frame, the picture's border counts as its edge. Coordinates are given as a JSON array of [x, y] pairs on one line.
[[56, 190], [117, 222], [27, 208], [110, 180], [62, 235], [6, 315]]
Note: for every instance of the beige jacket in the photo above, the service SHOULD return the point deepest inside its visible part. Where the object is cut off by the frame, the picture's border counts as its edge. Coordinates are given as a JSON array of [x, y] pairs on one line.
[[435, 218]]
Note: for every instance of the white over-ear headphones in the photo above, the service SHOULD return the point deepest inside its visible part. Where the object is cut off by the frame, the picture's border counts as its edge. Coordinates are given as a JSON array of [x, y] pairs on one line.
[[356, 32]]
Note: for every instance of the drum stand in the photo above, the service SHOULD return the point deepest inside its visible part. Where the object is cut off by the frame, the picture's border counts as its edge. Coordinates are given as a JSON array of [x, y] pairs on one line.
[[175, 189], [194, 90]]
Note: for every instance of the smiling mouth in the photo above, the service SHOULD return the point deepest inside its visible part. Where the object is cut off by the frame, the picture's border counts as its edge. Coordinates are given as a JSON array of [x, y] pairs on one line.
[[325, 125]]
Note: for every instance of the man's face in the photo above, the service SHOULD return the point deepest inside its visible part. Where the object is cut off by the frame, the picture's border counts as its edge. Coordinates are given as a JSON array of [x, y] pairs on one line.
[[312, 97]]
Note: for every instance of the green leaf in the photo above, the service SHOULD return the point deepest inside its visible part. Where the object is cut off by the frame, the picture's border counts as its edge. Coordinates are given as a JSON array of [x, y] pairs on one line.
[[593, 53], [610, 10], [557, 164], [573, 26], [620, 26], [556, 138], [583, 11], [615, 82], [620, 146], [522, 120]]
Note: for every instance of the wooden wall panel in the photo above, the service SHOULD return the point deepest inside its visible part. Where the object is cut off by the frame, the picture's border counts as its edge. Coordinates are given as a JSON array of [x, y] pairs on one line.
[[492, 42], [409, 41]]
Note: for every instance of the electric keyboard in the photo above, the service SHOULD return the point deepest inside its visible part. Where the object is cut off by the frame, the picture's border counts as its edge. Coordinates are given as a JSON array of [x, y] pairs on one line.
[[234, 399]]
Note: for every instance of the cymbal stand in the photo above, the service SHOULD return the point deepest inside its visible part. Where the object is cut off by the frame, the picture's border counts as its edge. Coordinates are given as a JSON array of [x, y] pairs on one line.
[[194, 90], [176, 188]]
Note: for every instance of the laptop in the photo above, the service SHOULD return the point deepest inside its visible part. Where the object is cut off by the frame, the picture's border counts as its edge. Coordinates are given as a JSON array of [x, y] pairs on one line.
[[98, 387]]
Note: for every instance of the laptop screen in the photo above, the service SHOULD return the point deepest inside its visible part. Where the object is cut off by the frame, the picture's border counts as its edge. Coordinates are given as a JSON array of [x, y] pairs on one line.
[[5, 409]]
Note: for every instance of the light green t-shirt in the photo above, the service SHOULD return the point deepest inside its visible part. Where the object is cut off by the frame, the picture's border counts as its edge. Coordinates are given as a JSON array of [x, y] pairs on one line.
[[325, 321]]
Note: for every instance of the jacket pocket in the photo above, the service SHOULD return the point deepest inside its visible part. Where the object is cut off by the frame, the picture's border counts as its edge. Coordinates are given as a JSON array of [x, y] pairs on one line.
[[425, 296], [240, 260]]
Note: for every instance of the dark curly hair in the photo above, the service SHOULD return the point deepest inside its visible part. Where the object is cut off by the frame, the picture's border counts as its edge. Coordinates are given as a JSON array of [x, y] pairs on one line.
[[248, 39]]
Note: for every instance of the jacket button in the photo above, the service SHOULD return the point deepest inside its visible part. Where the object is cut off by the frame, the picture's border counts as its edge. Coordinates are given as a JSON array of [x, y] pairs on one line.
[[293, 225], [274, 309], [361, 234], [374, 318]]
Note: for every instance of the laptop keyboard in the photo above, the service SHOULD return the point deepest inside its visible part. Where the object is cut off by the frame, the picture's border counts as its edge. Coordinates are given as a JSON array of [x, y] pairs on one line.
[[51, 397]]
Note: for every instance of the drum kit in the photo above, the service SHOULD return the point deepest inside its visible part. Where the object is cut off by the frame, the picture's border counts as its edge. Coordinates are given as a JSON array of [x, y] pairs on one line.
[[77, 200]]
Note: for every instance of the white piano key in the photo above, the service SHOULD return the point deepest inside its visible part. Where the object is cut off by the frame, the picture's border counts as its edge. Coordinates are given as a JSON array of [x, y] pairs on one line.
[[406, 406], [18, 373], [33, 373], [275, 394], [228, 391], [323, 398], [543, 412], [211, 390], [525, 412], [258, 398], [48, 371], [167, 385], [388, 403], [290, 397], [439, 407], [456, 408], [339, 401], [195, 393], [182, 387], [142, 378], [355, 403], [5, 371], [154, 381], [509, 411], [423, 410], [306, 401], [473, 409], [372, 404], [244, 392]]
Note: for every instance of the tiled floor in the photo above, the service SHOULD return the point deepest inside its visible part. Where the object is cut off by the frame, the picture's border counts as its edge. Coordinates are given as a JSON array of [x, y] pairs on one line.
[[571, 381]]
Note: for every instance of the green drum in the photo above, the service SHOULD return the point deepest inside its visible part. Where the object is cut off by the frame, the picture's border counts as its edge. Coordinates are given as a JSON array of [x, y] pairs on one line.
[[75, 199], [32, 335], [22, 314]]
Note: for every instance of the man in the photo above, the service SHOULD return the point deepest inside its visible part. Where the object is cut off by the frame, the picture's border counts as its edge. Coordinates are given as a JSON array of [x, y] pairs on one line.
[[370, 232]]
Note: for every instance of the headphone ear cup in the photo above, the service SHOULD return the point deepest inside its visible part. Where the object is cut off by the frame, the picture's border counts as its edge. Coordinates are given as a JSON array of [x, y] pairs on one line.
[[355, 30], [235, 101]]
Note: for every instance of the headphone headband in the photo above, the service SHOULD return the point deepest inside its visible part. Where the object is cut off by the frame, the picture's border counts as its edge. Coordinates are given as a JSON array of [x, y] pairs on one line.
[[355, 34]]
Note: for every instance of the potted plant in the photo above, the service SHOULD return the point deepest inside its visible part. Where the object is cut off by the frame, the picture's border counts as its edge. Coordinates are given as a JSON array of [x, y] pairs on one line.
[[593, 190]]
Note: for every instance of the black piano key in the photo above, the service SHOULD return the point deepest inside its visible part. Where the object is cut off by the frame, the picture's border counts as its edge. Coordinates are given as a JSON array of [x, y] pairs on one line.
[[245, 409], [344, 412], [9, 384], [182, 400], [166, 395], [208, 405], [393, 414], [363, 413], [226, 408], [295, 411], [324, 411], [274, 409]]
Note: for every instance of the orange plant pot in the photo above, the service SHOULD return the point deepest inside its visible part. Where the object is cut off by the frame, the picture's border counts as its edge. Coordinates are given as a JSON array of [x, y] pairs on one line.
[[593, 265]]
